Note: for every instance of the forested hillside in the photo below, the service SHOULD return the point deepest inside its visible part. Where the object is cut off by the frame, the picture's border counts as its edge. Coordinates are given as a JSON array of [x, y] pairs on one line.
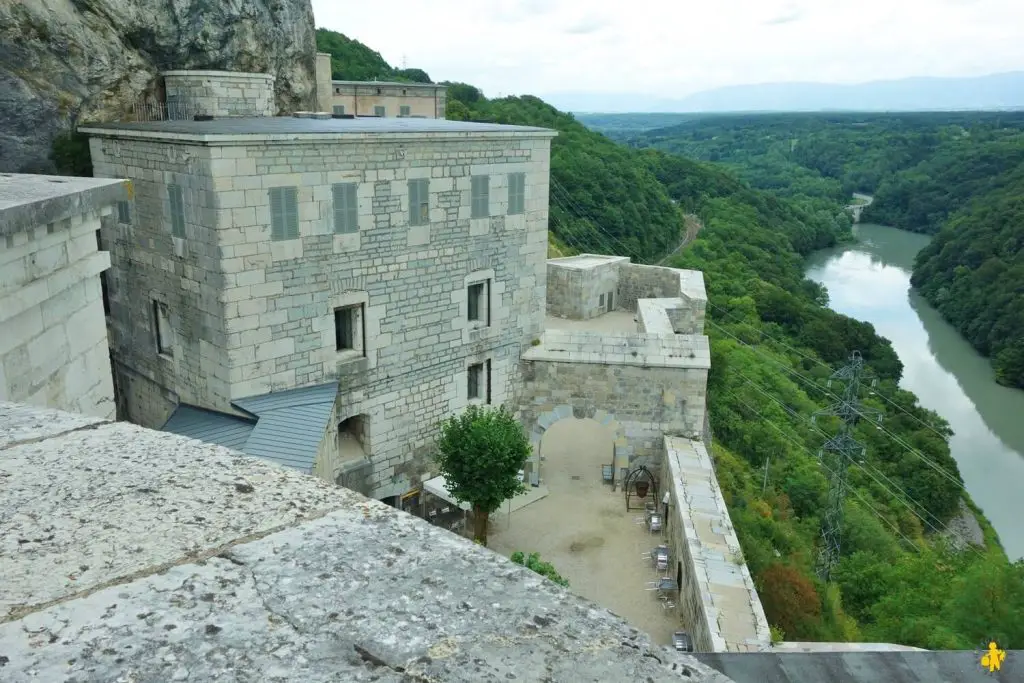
[[774, 345], [973, 272], [925, 170], [353, 61]]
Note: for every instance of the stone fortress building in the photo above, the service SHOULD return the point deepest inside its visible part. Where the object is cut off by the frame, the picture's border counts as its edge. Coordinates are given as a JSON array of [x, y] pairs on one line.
[[377, 98], [322, 292]]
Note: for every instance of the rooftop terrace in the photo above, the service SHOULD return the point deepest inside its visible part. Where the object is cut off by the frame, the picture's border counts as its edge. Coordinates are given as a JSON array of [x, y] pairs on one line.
[[136, 555]]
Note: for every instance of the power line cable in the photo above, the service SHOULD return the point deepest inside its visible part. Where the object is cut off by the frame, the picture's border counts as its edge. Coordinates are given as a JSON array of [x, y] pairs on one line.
[[825, 391]]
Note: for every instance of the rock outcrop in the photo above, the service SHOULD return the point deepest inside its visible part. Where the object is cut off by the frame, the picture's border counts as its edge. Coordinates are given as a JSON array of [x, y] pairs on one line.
[[63, 62]]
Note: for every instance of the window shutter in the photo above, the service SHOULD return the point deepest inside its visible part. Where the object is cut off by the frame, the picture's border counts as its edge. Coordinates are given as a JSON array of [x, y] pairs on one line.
[[352, 208], [292, 211], [276, 215], [414, 202]]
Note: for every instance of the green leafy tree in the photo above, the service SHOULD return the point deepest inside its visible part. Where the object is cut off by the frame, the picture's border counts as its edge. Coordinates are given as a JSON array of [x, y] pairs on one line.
[[480, 453], [545, 569]]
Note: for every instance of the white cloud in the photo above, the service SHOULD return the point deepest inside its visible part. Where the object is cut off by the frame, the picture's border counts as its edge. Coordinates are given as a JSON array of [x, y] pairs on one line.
[[674, 48]]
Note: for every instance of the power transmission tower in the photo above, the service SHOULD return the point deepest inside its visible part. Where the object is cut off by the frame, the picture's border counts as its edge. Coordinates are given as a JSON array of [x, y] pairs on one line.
[[837, 453]]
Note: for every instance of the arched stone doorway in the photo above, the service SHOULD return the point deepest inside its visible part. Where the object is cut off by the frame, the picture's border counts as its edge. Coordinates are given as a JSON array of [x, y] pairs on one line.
[[574, 450], [572, 444]]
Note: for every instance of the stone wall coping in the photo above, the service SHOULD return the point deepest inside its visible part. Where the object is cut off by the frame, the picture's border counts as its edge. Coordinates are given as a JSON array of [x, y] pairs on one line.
[[587, 261], [186, 559], [392, 84], [642, 349], [28, 200], [721, 578], [240, 75], [290, 130]]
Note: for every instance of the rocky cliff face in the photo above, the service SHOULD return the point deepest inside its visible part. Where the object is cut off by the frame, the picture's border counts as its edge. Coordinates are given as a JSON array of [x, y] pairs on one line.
[[63, 62]]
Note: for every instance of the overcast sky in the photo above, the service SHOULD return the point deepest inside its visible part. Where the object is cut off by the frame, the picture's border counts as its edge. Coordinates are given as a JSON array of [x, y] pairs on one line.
[[678, 47]]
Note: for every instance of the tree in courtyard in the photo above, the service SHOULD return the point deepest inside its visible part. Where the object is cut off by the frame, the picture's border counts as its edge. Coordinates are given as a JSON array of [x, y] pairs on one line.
[[480, 453]]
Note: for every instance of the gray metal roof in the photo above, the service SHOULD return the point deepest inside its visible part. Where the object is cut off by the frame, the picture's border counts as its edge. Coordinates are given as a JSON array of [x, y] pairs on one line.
[[863, 667], [287, 426], [210, 426], [290, 125]]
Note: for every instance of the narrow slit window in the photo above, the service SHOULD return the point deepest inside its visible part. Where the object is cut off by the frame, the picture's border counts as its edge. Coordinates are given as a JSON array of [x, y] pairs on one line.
[[162, 327], [176, 199], [474, 379], [348, 328], [124, 212], [478, 295]]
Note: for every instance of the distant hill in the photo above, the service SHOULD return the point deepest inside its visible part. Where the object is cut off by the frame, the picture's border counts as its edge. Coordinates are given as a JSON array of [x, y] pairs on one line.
[[996, 91]]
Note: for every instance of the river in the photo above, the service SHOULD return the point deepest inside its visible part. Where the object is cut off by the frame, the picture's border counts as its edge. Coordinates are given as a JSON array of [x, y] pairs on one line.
[[870, 281]]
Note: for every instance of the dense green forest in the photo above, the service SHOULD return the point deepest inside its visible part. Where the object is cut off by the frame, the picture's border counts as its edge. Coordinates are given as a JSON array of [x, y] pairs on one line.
[[925, 170], [353, 61], [774, 345], [973, 272]]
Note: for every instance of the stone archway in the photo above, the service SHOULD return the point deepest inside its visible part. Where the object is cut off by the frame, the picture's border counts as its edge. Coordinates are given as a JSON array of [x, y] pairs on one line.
[[620, 450]]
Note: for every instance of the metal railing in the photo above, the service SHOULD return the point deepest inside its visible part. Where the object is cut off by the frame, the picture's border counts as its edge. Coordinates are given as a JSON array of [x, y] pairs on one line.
[[163, 111]]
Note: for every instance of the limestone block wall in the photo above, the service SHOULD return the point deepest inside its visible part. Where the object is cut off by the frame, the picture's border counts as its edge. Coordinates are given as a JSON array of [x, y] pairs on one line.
[[646, 402], [360, 99], [150, 264], [220, 93], [53, 337], [279, 296], [646, 282], [584, 286], [564, 297]]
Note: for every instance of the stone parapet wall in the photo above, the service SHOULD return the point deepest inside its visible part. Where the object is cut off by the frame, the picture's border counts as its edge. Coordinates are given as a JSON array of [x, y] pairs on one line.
[[53, 337], [280, 560], [646, 282], [646, 402], [220, 93], [717, 598]]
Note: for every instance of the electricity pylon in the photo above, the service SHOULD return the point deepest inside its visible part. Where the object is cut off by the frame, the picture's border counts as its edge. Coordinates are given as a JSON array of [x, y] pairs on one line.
[[837, 453]]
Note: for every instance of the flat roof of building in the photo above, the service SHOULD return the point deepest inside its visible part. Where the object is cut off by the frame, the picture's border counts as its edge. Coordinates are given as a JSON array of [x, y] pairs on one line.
[[292, 128], [393, 84], [586, 261], [28, 200]]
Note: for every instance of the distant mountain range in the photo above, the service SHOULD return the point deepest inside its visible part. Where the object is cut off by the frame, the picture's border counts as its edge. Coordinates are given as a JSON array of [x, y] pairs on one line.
[[996, 91]]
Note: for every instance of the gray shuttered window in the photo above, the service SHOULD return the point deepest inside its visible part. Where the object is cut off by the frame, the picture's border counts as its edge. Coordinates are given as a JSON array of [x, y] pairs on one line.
[[481, 196], [339, 109], [419, 201], [516, 193], [346, 208], [403, 110], [379, 111], [284, 213], [177, 204]]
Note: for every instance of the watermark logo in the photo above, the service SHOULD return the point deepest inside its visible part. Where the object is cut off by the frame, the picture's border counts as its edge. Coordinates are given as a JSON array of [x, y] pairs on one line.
[[993, 657]]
